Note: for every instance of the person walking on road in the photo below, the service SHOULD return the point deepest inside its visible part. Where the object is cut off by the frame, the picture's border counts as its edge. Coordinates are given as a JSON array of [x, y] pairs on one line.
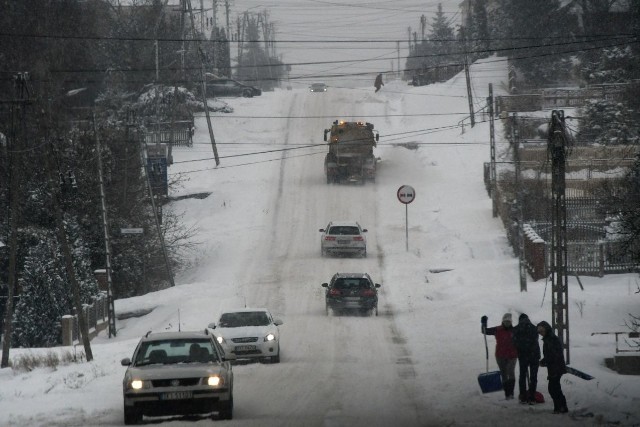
[[525, 339], [378, 83], [506, 353], [553, 359]]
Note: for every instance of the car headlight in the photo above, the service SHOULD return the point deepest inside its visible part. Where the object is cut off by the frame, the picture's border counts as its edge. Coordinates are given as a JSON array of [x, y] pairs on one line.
[[215, 381], [220, 340], [270, 337], [137, 384]]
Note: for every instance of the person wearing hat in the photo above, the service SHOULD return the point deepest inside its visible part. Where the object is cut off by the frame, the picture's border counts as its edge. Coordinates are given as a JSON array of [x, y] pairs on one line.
[[506, 353], [525, 338], [553, 359]]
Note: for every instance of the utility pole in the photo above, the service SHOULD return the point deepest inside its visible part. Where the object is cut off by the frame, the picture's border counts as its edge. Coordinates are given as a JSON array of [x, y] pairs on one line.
[[18, 113], [204, 89], [469, 94], [398, 52], [143, 159], [492, 145], [105, 226], [515, 132], [557, 148]]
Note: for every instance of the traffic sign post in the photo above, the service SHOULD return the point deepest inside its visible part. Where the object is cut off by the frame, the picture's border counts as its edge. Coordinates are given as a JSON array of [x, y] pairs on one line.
[[406, 194]]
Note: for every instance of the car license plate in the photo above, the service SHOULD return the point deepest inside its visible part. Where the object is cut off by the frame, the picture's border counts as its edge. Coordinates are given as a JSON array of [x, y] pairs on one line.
[[245, 347], [176, 395], [344, 242]]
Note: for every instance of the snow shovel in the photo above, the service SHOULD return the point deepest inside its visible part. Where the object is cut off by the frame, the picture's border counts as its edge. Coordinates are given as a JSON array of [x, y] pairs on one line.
[[489, 381]]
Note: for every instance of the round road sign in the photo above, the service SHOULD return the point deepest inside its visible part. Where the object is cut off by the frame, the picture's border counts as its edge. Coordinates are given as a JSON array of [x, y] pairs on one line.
[[406, 194]]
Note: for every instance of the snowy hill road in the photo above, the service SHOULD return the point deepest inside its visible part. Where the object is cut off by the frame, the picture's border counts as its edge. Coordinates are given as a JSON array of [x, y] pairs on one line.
[[346, 370]]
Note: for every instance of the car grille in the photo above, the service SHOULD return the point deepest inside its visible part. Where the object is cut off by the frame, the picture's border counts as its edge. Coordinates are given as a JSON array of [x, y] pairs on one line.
[[244, 340], [182, 382]]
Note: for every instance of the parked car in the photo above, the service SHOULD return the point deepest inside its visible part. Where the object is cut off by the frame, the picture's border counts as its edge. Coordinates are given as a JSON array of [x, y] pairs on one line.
[[230, 87], [318, 87], [343, 237], [351, 291], [249, 333], [177, 373]]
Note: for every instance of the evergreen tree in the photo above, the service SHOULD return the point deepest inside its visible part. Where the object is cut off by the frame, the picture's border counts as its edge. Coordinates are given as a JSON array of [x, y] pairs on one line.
[[479, 42], [534, 36]]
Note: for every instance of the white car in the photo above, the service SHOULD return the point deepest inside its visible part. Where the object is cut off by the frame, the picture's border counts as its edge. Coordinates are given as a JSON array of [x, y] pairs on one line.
[[249, 333], [343, 237]]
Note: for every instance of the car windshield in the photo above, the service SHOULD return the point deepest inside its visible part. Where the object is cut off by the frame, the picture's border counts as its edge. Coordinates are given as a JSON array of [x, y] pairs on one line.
[[243, 318], [182, 350], [351, 283], [344, 230], [318, 85]]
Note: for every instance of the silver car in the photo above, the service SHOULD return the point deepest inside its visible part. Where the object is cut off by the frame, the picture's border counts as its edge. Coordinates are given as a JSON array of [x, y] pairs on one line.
[[177, 373], [343, 237], [318, 87]]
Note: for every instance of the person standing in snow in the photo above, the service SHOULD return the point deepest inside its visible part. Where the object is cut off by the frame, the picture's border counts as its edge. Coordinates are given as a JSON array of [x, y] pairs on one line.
[[553, 359], [506, 353], [378, 83], [525, 339]]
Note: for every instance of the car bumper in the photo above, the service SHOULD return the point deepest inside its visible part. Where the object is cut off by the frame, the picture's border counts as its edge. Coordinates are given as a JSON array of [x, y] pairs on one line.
[[345, 249], [352, 303], [254, 350], [160, 403]]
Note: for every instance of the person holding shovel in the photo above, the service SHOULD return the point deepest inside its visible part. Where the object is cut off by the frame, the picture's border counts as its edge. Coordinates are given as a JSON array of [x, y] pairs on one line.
[[506, 353], [525, 338]]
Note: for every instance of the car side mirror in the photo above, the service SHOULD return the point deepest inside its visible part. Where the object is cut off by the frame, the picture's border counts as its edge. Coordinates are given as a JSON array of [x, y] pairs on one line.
[[228, 357], [378, 285], [211, 325], [364, 230], [277, 322], [325, 285], [125, 362], [321, 230]]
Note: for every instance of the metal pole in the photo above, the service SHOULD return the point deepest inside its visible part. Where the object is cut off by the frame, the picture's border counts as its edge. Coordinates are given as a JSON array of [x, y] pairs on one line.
[[406, 225]]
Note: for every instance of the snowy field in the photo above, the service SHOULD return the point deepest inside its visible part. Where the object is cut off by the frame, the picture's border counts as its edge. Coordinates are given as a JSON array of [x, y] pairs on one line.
[[417, 363]]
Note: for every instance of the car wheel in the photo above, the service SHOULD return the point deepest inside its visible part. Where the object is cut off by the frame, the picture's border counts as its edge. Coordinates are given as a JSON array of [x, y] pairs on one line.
[[326, 308], [276, 358], [364, 253], [132, 416], [376, 310], [323, 253], [226, 412], [247, 94]]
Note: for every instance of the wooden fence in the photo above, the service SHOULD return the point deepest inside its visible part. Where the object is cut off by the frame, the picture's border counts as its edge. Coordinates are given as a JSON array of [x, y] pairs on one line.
[[181, 134]]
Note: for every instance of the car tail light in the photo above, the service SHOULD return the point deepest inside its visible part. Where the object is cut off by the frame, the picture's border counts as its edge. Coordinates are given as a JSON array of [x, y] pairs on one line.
[[329, 238], [334, 292], [368, 293], [358, 238]]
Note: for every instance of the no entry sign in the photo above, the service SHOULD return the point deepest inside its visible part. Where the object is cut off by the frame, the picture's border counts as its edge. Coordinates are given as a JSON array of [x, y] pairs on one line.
[[406, 194]]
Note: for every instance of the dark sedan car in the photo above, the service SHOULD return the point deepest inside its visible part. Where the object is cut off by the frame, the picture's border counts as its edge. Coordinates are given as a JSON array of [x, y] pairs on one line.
[[351, 291], [230, 87]]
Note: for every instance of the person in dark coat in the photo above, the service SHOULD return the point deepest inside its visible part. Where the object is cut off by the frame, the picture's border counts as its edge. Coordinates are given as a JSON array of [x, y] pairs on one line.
[[506, 353], [553, 359], [525, 338], [378, 83]]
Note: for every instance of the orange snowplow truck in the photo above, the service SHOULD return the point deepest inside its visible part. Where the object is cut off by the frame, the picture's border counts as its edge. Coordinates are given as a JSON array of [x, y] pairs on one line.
[[350, 157]]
